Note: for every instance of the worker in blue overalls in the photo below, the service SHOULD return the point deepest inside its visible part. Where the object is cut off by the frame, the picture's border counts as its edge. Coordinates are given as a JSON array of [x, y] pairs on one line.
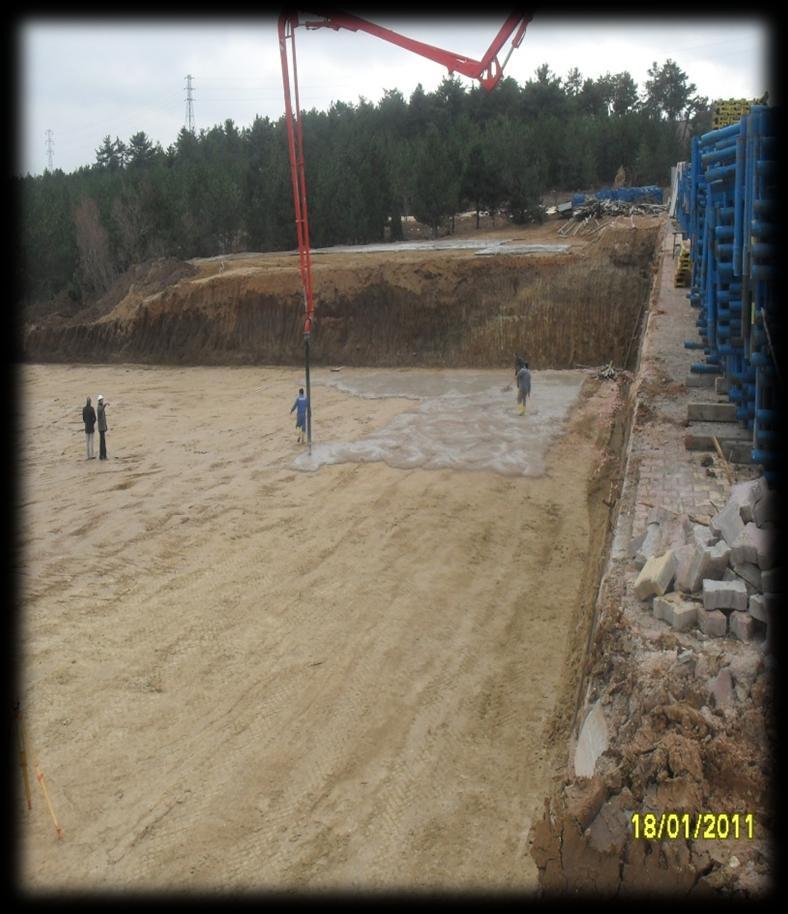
[[300, 404]]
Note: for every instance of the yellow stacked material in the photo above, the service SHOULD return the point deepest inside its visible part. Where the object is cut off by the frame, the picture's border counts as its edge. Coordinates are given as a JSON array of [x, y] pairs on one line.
[[730, 111], [681, 278]]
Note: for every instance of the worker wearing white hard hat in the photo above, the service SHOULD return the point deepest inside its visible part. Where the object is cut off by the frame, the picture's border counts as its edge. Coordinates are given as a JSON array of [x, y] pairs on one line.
[[101, 405]]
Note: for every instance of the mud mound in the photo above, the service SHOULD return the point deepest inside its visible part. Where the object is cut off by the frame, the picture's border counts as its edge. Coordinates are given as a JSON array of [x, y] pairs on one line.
[[142, 281], [670, 753]]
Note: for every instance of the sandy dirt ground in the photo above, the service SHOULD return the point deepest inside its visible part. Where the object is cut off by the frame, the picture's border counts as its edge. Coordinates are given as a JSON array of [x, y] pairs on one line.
[[236, 675]]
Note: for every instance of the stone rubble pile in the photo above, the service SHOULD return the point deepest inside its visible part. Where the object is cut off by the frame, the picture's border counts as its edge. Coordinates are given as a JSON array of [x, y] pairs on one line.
[[722, 578]]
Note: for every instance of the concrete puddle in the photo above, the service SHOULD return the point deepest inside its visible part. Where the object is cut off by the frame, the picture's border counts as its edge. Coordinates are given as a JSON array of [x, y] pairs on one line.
[[461, 419]]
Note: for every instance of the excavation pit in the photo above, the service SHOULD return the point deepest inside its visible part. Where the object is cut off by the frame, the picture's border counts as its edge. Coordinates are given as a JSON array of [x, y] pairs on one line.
[[362, 676], [359, 677]]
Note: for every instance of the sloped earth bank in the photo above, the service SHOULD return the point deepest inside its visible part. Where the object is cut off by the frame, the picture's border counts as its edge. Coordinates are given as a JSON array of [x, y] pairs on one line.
[[242, 675], [430, 308]]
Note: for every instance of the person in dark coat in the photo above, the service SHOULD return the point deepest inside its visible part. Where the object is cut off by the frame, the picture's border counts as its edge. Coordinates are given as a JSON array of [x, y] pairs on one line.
[[523, 387], [89, 418], [102, 404]]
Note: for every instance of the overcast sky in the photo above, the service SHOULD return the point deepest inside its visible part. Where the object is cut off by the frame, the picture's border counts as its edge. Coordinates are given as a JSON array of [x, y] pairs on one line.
[[82, 79]]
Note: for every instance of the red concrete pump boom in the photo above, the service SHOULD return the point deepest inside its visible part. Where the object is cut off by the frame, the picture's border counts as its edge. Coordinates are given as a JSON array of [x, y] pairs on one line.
[[488, 71]]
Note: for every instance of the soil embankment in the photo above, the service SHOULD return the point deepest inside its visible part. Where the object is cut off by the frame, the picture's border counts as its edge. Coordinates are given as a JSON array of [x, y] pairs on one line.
[[417, 308]]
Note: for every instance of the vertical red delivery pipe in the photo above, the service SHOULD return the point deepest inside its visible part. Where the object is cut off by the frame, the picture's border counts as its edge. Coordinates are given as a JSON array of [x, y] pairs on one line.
[[295, 141]]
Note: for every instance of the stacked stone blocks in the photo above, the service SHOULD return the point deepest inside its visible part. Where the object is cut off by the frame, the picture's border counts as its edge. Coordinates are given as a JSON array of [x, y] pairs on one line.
[[723, 578]]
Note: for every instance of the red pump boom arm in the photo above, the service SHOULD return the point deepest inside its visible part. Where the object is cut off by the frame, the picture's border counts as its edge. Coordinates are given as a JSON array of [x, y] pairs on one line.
[[488, 71]]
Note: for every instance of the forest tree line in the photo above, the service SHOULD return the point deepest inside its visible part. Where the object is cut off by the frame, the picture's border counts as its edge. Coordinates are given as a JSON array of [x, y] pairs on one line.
[[228, 189]]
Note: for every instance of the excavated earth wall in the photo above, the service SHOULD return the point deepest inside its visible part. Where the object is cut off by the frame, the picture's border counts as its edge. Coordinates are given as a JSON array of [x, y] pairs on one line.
[[428, 309]]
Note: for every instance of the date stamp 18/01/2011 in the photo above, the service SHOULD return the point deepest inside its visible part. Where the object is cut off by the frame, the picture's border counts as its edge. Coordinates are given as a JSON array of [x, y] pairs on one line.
[[708, 826]]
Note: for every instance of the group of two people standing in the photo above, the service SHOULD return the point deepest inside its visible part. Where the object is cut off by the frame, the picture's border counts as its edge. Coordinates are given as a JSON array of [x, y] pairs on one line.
[[90, 416]]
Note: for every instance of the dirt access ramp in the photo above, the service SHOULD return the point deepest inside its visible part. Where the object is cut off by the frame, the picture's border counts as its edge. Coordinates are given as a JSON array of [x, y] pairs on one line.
[[241, 676]]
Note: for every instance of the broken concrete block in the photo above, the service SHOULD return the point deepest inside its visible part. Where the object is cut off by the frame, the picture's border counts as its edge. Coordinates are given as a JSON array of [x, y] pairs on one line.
[[656, 576], [712, 622], [650, 545], [742, 625], [770, 581], [706, 562], [718, 557], [684, 563], [676, 530], [721, 688], [711, 412], [676, 611], [749, 572], [665, 606], [591, 742], [745, 495], [727, 523], [745, 547], [701, 536], [691, 568], [745, 668], [724, 595], [762, 606], [634, 545], [699, 380], [764, 511], [755, 545], [685, 616], [731, 575]]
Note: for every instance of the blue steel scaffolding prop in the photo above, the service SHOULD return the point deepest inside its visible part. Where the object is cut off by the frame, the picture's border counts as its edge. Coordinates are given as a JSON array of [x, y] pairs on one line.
[[727, 208]]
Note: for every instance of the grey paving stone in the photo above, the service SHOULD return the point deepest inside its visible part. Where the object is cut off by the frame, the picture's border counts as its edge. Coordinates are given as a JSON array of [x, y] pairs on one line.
[[712, 622], [742, 625], [757, 545], [724, 595]]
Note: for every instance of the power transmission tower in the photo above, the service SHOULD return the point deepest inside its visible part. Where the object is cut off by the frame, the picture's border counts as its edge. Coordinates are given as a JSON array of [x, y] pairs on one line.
[[50, 150], [189, 105]]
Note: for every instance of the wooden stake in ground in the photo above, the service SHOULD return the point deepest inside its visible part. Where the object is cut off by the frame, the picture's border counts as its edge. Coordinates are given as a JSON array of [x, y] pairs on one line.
[[24, 754], [725, 465]]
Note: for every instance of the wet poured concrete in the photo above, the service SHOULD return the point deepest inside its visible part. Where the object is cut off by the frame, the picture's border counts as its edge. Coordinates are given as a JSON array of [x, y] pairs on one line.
[[501, 246], [464, 420]]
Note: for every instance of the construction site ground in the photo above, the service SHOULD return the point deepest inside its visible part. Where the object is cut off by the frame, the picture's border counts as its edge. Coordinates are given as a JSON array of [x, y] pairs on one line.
[[246, 669], [242, 675]]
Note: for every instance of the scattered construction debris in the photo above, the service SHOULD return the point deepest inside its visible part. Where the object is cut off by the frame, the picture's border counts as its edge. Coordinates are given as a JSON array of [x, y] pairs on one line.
[[596, 216], [720, 578]]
